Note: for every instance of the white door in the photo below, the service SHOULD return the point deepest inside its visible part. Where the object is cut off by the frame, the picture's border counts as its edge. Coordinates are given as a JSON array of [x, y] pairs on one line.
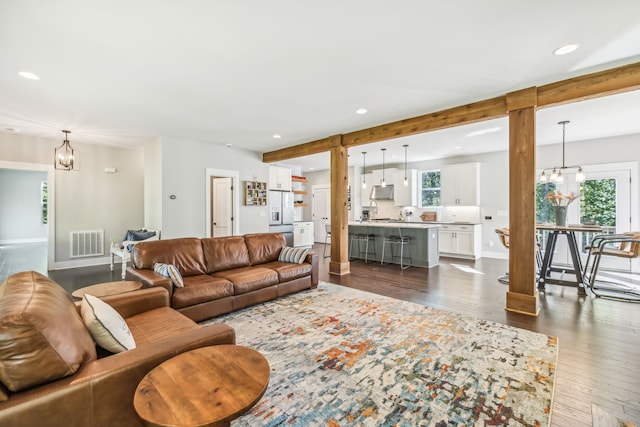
[[221, 207], [321, 210]]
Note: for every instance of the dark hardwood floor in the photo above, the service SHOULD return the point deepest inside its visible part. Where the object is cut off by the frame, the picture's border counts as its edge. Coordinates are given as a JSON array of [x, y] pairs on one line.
[[599, 339]]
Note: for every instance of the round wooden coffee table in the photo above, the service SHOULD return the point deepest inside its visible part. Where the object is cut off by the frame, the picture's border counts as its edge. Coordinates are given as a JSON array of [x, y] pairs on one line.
[[208, 386], [107, 288]]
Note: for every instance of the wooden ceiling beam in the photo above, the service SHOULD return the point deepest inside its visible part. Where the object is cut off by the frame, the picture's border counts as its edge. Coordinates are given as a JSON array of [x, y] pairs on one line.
[[616, 80], [470, 113], [306, 149], [609, 82]]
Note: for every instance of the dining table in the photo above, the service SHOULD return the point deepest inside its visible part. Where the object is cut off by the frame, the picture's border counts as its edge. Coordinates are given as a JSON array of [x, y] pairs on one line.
[[576, 267]]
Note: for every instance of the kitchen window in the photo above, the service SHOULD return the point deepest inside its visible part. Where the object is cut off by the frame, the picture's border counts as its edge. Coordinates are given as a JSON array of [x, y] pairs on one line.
[[430, 189]]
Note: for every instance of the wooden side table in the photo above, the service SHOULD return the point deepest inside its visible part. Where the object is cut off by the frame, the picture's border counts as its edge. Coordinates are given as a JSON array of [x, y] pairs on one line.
[[208, 386], [107, 288]]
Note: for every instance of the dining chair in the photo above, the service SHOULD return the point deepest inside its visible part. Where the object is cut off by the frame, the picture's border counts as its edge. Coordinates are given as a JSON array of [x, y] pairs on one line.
[[625, 245], [327, 236], [503, 236]]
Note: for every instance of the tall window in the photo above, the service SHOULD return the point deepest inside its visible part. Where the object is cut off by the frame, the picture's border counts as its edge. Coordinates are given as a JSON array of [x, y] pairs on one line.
[[44, 201], [430, 189], [544, 208]]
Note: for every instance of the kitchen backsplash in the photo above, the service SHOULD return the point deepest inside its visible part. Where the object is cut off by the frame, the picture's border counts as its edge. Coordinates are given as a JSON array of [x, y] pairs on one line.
[[387, 209]]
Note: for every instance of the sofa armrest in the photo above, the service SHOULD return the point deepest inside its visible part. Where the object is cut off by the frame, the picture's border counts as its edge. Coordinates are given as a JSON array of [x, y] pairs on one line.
[[149, 278], [312, 258], [101, 392], [131, 303]]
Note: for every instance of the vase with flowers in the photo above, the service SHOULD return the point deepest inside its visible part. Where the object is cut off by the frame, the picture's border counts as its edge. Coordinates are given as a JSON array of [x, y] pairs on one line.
[[560, 203]]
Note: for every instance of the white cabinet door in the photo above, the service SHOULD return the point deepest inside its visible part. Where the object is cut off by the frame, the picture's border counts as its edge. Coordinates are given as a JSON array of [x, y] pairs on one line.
[[464, 242], [446, 242], [307, 231], [279, 178], [460, 184], [461, 240], [405, 195]]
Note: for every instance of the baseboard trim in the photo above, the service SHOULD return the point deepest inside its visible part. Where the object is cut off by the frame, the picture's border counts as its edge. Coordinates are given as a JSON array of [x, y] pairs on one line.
[[20, 241], [63, 265]]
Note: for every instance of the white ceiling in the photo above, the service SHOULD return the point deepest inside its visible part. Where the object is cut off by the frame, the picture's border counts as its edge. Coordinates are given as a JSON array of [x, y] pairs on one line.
[[237, 72]]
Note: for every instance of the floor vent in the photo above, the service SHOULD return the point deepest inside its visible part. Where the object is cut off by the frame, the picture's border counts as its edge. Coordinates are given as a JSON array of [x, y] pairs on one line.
[[86, 243]]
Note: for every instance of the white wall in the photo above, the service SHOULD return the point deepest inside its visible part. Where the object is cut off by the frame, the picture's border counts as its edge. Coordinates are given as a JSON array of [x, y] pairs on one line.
[[87, 199], [153, 185], [21, 206], [184, 165]]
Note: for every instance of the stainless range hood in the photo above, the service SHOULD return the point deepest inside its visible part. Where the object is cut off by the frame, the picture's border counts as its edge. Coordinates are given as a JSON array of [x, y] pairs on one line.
[[379, 192]]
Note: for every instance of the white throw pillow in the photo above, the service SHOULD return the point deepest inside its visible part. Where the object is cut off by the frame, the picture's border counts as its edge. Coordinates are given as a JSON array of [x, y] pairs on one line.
[[170, 271], [108, 329]]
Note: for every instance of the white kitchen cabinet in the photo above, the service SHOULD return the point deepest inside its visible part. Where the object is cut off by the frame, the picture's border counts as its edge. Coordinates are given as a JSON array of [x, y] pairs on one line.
[[279, 178], [460, 241], [460, 184], [405, 195], [303, 234]]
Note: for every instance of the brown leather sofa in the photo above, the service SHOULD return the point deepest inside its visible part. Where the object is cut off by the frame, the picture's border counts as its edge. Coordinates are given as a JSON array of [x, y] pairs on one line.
[[50, 372], [222, 274]]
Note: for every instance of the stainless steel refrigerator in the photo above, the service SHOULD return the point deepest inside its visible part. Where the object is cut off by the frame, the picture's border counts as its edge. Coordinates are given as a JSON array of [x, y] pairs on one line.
[[281, 214]]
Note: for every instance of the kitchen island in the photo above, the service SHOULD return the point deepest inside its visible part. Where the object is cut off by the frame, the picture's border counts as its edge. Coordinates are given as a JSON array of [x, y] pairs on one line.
[[422, 247]]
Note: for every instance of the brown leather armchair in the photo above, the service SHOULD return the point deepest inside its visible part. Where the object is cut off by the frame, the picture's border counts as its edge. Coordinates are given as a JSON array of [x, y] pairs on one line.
[[50, 371]]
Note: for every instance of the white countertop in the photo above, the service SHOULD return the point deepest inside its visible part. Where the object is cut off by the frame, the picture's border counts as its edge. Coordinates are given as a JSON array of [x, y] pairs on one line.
[[396, 224]]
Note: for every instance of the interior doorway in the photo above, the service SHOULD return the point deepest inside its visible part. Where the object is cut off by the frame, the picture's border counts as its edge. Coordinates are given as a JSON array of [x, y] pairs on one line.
[[223, 202], [221, 206], [321, 210], [48, 255]]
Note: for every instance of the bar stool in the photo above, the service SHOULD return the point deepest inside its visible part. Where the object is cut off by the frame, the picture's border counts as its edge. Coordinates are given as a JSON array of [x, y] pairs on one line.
[[362, 237], [393, 240], [327, 230]]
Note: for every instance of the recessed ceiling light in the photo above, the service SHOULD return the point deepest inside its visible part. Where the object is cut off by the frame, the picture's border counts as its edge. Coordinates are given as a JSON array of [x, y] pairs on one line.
[[484, 131], [311, 168], [13, 130], [457, 147], [563, 50], [29, 75], [228, 145], [276, 136], [361, 111]]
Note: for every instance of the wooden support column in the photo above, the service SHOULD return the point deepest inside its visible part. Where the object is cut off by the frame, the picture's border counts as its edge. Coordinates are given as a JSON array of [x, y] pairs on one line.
[[339, 263], [522, 296]]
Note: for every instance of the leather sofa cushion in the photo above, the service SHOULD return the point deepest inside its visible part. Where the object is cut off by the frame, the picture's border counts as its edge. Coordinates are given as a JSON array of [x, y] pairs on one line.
[[288, 271], [247, 279], [199, 289], [225, 253], [42, 336], [185, 253], [158, 324], [264, 247]]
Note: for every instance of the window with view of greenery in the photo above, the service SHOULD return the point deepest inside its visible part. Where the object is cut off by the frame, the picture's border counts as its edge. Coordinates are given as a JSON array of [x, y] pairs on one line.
[[430, 189], [44, 201], [544, 208], [598, 201]]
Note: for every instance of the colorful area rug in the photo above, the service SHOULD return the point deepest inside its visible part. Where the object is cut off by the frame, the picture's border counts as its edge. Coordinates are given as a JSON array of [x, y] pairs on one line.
[[342, 357]]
